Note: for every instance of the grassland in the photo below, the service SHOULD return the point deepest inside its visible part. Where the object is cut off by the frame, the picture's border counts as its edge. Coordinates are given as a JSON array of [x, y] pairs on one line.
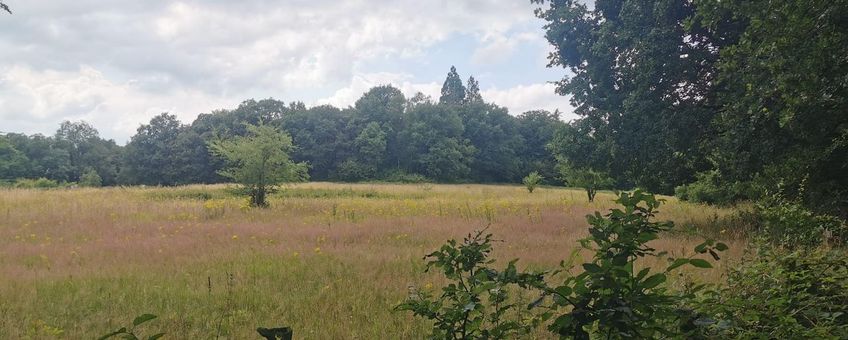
[[330, 260]]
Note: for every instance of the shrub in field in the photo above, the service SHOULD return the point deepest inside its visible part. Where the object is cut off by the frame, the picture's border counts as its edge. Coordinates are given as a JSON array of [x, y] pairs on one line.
[[780, 293], [610, 299], [259, 161], [40, 183], [128, 333], [588, 179], [90, 178], [532, 180], [477, 303], [400, 176]]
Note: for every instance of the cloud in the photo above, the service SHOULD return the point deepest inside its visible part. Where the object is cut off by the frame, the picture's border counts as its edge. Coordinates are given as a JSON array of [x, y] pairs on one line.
[[37, 101], [117, 63], [524, 98]]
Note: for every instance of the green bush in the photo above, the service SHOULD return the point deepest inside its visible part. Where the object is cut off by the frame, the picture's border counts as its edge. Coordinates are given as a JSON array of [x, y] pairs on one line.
[[532, 180], [789, 223], [710, 188], [782, 294], [353, 171], [90, 179], [40, 183], [400, 176]]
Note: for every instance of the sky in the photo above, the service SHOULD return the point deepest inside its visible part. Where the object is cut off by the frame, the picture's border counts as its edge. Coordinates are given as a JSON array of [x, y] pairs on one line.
[[118, 63]]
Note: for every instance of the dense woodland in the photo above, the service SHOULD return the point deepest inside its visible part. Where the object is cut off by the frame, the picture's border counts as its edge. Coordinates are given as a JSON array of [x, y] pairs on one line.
[[384, 136], [718, 101]]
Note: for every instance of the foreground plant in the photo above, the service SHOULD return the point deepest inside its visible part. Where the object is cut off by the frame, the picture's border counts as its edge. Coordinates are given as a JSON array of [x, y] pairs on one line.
[[477, 304], [128, 333], [610, 298]]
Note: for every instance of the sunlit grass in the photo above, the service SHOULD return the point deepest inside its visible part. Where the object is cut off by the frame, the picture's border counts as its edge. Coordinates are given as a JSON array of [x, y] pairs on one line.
[[328, 259]]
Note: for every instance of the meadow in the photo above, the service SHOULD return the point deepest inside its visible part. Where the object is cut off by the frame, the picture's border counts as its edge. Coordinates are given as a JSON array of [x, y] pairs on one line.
[[329, 260]]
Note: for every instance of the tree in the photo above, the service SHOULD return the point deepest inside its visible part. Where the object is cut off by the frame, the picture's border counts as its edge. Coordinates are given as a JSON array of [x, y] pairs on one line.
[[643, 74], [453, 92], [537, 129], [586, 178], [150, 154], [472, 91], [532, 180], [259, 161], [784, 97], [13, 163]]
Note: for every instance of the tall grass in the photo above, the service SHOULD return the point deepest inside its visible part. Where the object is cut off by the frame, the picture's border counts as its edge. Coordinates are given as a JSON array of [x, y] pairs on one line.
[[330, 260]]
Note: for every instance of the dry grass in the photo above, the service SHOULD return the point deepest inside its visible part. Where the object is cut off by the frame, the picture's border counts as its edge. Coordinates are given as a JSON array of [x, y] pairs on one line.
[[328, 259]]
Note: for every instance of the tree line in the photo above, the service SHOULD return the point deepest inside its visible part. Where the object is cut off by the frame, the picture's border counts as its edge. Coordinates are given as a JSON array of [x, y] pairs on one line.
[[383, 136]]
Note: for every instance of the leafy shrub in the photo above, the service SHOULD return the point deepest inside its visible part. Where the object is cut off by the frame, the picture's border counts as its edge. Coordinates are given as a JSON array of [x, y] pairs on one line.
[[532, 180], [710, 188], [609, 299], [128, 333], [400, 176], [90, 179], [782, 294], [40, 183], [477, 303], [353, 171], [588, 179], [789, 223]]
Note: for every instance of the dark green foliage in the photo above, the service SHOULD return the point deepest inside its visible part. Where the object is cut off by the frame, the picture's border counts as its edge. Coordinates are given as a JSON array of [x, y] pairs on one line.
[[383, 137], [479, 301], [453, 92], [711, 188], [149, 157], [781, 294], [788, 223], [537, 130], [13, 163], [128, 333], [641, 80], [612, 298], [784, 96]]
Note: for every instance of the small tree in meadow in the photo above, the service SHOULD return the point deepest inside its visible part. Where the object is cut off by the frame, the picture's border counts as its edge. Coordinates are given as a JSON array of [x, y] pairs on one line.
[[588, 179], [532, 180], [259, 161]]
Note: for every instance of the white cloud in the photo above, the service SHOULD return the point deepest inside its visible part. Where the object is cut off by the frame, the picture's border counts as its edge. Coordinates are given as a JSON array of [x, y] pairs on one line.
[[361, 83], [37, 101], [117, 63], [524, 98]]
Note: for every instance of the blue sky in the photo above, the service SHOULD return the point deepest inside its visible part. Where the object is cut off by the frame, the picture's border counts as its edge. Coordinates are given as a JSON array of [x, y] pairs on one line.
[[117, 63]]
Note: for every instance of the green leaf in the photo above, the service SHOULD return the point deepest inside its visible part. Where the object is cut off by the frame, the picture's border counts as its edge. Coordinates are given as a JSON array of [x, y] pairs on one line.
[[677, 263], [156, 336], [700, 263], [653, 281], [721, 246], [143, 318], [107, 336], [591, 267]]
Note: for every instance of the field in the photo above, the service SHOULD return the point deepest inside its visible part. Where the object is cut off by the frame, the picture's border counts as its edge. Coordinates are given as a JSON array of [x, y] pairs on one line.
[[329, 260]]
